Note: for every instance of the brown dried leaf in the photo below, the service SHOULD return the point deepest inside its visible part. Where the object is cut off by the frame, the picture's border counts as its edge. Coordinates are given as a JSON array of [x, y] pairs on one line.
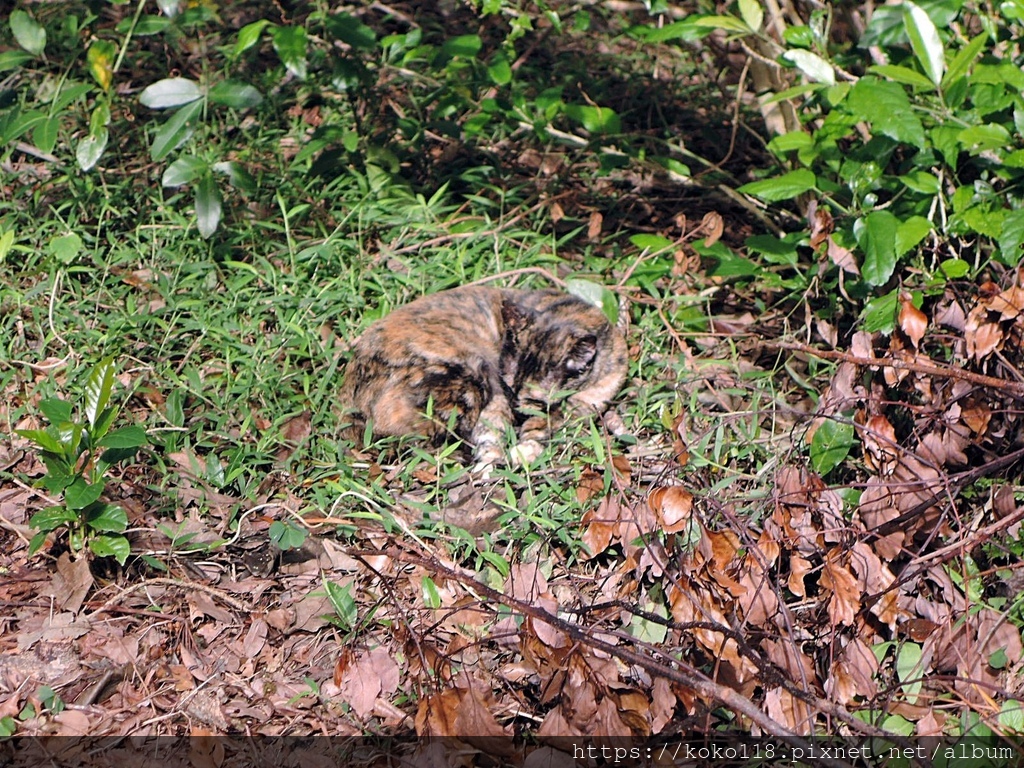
[[842, 257], [844, 602], [594, 225], [821, 224], [853, 674], [599, 529], [912, 321], [673, 507], [591, 484], [881, 450], [712, 226], [71, 583], [798, 570]]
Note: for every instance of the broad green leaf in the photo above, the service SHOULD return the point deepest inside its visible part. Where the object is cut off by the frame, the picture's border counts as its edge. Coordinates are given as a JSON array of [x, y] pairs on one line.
[[679, 30], [902, 75], [812, 65], [831, 444], [961, 63], [175, 132], [183, 170], [44, 136], [52, 517], [99, 119], [351, 31], [885, 105], [13, 59], [28, 33], [596, 294], [107, 517], [147, 25], [500, 71], [208, 206], [595, 119], [1011, 712], [81, 494], [673, 166], [248, 36], [652, 243], [1012, 236], [91, 148], [921, 181], [235, 94], [286, 536], [728, 23], [910, 670], [42, 438], [982, 138], [100, 58], [784, 187], [876, 235], [65, 248], [104, 422], [787, 142], [237, 175], [955, 269], [290, 44], [752, 14], [465, 46], [924, 39], [56, 411], [341, 599], [911, 232], [98, 389], [650, 630], [116, 547], [170, 92], [133, 436]]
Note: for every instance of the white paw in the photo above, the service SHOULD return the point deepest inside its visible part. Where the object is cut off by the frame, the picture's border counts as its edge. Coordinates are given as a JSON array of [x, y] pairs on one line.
[[488, 455], [526, 453]]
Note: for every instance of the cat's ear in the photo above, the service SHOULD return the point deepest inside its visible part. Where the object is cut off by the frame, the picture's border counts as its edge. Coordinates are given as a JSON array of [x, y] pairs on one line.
[[581, 356], [515, 316]]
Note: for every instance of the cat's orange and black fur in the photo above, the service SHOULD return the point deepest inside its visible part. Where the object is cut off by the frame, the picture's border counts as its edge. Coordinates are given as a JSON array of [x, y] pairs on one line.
[[483, 359]]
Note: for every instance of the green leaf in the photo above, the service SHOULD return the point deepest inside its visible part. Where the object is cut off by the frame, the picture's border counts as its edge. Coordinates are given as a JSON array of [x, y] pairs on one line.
[[42, 438], [125, 437], [500, 71], [911, 232], [752, 14], [812, 65], [237, 175], [107, 517], [595, 119], [13, 59], [100, 58], [81, 494], [784, 187], [465, 46], [1012, 236], [652, 243], [344, 605], [91, 148], [983, 138], [351, 31], [728, 23], [183, 170], [649, 630], [44, 136], [6, 241], [831, 444], [886, 106], [50, 518], [924, 39], [954, 269], [961, 63], [28, 33], [286, 536], [55, 410], [208, 206], [1011, 712], [65, 248], [116, 547], [98, 389], [290, 44], [248, 36], [170, 92], [902, 75], [175, 132], [597, 295], [921, 181], [431, 594], [876, 235], [679, 30], [235, 94]]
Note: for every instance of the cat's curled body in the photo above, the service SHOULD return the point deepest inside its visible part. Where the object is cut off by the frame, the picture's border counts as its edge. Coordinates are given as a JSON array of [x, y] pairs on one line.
[[481, 358]]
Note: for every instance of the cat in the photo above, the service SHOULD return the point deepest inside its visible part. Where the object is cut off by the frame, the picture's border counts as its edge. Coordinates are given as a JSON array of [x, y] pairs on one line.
[[482, 360]]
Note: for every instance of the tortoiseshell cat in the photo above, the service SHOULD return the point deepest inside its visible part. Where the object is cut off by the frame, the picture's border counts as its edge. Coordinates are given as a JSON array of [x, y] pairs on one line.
[[483, 357]]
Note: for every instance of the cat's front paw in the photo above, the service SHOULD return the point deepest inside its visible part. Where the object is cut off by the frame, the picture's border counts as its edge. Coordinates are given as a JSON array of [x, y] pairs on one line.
[[526, 452], [488, 456]]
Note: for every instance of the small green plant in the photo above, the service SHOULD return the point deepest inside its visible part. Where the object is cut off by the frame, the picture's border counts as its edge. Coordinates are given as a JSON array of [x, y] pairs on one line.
[[78, 449]]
